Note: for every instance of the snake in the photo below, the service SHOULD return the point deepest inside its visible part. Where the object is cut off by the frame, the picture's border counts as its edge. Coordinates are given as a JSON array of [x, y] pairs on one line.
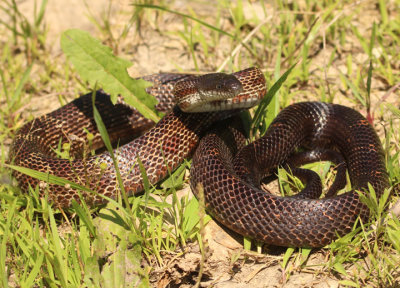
[[235, 198], [159, 151], [225, 171]]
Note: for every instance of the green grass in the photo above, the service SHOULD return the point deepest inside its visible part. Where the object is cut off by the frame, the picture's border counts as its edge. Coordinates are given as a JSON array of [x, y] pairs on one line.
[[333, 58]]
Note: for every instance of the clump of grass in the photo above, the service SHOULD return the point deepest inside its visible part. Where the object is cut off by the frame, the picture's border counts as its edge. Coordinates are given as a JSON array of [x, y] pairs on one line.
[[32, 35]]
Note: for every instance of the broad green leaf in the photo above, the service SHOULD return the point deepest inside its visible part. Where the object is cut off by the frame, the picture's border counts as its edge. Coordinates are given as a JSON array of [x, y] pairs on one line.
[[191, 217], [95, 63], [123, 265], [110, 227], [92, 272]]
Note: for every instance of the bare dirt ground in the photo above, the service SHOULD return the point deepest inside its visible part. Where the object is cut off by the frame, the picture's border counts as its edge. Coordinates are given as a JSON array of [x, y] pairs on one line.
[[151, 52]]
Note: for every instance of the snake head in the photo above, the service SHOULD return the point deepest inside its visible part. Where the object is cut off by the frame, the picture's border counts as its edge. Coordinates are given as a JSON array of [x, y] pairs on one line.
[[199, 93], [218, 86]]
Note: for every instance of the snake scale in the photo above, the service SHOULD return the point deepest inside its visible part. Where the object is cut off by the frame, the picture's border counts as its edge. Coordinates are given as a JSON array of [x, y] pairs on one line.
[[228, 172]]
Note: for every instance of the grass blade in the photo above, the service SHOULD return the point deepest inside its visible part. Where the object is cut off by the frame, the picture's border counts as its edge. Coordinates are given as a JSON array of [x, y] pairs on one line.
[[106, 139], [48, 178], [3, 248], [185, 16], [24, 79], [58, 259], [260, 112]]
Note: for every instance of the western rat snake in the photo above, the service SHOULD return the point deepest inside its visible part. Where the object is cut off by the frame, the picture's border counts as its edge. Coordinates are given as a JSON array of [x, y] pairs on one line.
[[229, 173]]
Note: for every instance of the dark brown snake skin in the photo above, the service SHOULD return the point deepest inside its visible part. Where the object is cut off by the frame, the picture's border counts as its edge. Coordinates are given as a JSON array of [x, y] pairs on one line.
[[229, 173], [231, 181]]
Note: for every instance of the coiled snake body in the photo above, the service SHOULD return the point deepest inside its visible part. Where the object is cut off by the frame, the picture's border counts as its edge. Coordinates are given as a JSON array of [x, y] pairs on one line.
[[230, 181]]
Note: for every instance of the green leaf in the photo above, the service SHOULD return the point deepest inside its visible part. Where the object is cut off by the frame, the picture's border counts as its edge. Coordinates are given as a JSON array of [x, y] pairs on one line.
[[115, 272], [106, 139], [305, 253], [370, 68], [395, 111], [339, 268], [21, 84], [151, 6], [58, 260], [369, 80], [95, 63], [101, 127], [191, 217], [372, 42], [84, 216], [268, 97], [29, 282], [354, 89], [48, 178], [289, 252], [92, 272], [393, 232], [143, 172], [175, 179], [3, 244], [247, 243]]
